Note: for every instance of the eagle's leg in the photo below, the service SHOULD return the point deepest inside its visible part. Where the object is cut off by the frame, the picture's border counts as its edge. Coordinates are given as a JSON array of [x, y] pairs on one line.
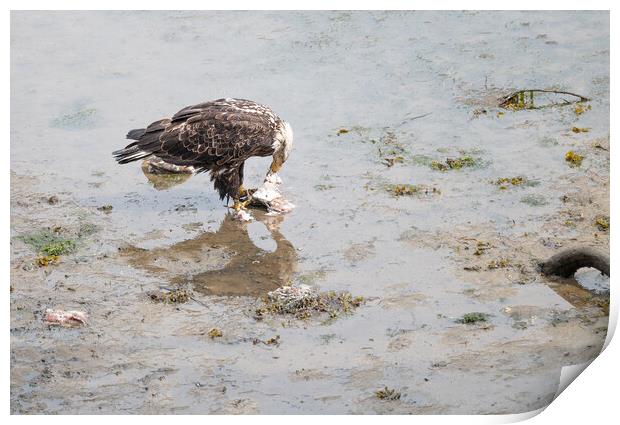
[[242, 192]]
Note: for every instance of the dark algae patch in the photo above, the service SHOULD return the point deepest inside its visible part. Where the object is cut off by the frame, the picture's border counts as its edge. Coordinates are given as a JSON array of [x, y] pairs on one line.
[[174, 296], [398, 190], [303, 302], [504, 183], [474, 317], [274, 340], [502, 263], [323, 187], [465, 161], [388, 394]]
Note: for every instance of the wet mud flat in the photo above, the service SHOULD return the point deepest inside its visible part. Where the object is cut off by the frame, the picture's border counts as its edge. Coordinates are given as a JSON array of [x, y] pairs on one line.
[[211, 354], [423, 232]]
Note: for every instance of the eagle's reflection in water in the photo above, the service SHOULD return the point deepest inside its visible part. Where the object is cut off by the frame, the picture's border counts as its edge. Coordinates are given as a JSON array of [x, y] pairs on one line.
[[225, 262], [161, 176]]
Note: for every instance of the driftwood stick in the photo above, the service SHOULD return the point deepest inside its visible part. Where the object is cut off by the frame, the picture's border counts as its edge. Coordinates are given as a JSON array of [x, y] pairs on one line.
[[505, 99]]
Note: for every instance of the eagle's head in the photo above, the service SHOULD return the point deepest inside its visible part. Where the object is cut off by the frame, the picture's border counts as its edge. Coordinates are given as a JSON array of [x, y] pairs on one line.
[[282, 146]]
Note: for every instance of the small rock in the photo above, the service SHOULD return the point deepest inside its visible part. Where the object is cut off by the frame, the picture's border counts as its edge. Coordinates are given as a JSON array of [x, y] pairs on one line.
[[105, 208], [215, 333]]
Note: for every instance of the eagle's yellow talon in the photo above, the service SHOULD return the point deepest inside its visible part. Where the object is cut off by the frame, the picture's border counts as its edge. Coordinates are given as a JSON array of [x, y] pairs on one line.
[[246, 193], [239, 205]]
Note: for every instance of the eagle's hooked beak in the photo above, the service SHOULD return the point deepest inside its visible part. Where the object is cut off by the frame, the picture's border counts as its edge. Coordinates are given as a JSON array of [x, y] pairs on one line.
[[276, 164]]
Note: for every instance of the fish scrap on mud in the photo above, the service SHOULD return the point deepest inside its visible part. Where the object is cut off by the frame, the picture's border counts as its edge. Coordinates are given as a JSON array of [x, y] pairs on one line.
[[268, 196], [64, 318]]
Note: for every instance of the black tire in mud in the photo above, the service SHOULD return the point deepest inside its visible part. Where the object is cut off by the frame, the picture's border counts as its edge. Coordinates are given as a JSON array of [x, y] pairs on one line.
[[567, 262]]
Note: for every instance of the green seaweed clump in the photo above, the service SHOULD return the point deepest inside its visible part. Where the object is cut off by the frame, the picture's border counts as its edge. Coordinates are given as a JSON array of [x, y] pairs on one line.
[[475, 317], [215, 333], [391, 161], [274, 340], [58, 247], [302, 302], [439, 166], [87, 229], [602, 223], [387, 394], [574, 159], [580, 108], [454, 163], [504, 182], [411, 189], [175, 296], [463, 161], [499, 264], [48, 242], [322, 187], [46, 260]]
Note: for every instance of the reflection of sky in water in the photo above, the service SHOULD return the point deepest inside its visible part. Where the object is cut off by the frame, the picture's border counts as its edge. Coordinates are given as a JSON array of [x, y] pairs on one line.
[[593, 280]]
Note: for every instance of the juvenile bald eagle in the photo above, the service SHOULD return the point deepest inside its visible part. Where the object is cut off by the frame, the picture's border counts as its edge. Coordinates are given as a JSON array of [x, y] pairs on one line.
[[216, 136]]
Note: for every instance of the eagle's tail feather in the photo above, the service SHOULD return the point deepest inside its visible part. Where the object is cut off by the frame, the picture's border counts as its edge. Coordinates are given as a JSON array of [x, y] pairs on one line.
[[131, 153], [144, 146], [136, 134]]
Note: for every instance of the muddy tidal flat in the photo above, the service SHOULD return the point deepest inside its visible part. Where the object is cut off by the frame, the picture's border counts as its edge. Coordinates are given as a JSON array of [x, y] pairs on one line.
[[423, 210]]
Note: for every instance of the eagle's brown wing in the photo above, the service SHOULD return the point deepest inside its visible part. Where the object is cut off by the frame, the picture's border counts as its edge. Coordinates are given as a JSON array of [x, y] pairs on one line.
[[212, 135], [212, 138]]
